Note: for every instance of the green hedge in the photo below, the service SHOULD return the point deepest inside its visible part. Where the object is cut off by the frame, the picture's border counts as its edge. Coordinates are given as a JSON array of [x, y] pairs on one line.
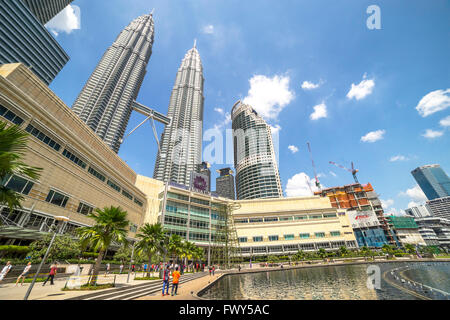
[[7, 250]]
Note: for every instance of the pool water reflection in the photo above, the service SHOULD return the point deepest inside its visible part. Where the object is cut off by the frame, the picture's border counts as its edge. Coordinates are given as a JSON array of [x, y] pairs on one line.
[[340, 282]]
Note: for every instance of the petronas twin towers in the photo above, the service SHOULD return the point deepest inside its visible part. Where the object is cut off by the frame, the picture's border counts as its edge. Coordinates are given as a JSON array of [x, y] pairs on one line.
[[106, 101]]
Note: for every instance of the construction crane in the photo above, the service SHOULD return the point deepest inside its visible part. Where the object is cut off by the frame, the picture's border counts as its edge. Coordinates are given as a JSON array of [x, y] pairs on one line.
[[314, 168], [353, 171]]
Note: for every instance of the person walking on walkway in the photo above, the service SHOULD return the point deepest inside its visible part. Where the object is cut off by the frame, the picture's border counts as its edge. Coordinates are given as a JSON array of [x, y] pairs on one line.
[[176, 279], [24, 274], [166, 277], [5, 270], [52, 274], [121, 268], [108, 267], [213, 270], [210, 270]]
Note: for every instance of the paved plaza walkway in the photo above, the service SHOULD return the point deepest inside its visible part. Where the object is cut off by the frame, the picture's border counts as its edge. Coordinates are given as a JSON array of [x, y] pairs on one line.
[[8, 291]]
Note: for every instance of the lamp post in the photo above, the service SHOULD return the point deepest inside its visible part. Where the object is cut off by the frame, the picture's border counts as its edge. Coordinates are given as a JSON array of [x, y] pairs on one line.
[[131, 261], [53, 227]]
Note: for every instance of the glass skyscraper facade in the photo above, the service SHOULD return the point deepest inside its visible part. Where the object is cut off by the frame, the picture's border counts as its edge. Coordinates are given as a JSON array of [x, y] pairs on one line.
[[106, 101], [23, 38], [433, 181], [257, 175], [45, 10], [181, 141]]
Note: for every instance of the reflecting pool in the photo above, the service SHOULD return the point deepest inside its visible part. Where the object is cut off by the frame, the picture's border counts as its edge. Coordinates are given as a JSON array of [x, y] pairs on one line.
[[335, 282]]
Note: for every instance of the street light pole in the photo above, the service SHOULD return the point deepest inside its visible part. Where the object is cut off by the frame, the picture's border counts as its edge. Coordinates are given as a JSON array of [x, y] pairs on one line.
[[45, 256], [131, 260]]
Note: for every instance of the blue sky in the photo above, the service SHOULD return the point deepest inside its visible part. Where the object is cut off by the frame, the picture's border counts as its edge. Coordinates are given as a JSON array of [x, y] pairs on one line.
[[313, 68]]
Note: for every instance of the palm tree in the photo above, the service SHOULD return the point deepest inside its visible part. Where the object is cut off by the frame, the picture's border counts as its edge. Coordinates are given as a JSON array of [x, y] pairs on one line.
[[198, 254], [151, 241], [321, 253], [110, 226], [410, 248], [13, 143], [175, 245], [343, 251], [187, 251]]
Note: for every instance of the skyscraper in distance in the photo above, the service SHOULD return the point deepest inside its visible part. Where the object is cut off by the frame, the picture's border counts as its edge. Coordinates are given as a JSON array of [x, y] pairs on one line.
[[181, 142], [257, 174], [225, 183], [24, 39], [106, 101], [45, 10], [433, 181]]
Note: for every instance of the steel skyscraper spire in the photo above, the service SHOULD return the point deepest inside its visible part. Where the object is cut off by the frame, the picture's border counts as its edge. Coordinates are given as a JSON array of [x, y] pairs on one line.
[[181, 141], [106, 101]]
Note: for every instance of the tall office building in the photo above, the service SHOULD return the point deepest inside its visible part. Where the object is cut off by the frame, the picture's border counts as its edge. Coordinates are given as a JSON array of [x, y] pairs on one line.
[[106, 101], [45, 10], [181, 142], [433, 181], [257, 173], [225, 183], [23, 38]]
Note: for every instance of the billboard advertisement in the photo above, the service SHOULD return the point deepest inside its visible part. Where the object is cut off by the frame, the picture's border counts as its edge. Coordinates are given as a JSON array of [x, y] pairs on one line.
[[363, 219]]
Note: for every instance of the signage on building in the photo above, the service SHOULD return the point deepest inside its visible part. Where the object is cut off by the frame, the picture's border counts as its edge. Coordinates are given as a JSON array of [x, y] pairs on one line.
[[199, 182], [363, 219]]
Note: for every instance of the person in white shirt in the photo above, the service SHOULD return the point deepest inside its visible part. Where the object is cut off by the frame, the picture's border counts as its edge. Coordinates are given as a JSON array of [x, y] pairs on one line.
[[5, 270], [24, 273]]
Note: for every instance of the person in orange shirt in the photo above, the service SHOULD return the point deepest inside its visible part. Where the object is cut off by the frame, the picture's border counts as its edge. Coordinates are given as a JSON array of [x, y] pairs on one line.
[[176, 279]]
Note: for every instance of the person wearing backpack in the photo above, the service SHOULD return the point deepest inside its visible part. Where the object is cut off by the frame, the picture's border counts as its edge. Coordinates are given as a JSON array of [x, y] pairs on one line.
[[166, 277]]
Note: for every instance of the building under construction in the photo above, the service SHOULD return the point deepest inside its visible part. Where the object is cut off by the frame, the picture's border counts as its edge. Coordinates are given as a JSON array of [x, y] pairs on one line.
[[360, 198]]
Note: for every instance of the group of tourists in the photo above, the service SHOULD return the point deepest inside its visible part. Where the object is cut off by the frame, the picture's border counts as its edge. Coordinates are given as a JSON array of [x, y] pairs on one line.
[[171, 271], [7, 268]]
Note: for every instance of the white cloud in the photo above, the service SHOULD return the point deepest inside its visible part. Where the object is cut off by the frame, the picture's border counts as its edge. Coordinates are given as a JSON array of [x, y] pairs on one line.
[[373, 136], [445, 122], [361, 90], [320, 111], [66, 21], [275, 129], [293, 149], [333, 174], [415, 193], [268, 96], [431, 134], [386, 203], [224, 122], [413, 204], [398, 158], [297, 186], [208, 29], [395, 212], [433, 102], [219, 110], [306, 85]]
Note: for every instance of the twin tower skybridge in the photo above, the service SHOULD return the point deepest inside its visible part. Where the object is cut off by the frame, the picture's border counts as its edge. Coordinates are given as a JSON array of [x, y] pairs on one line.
[[151, 115]]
